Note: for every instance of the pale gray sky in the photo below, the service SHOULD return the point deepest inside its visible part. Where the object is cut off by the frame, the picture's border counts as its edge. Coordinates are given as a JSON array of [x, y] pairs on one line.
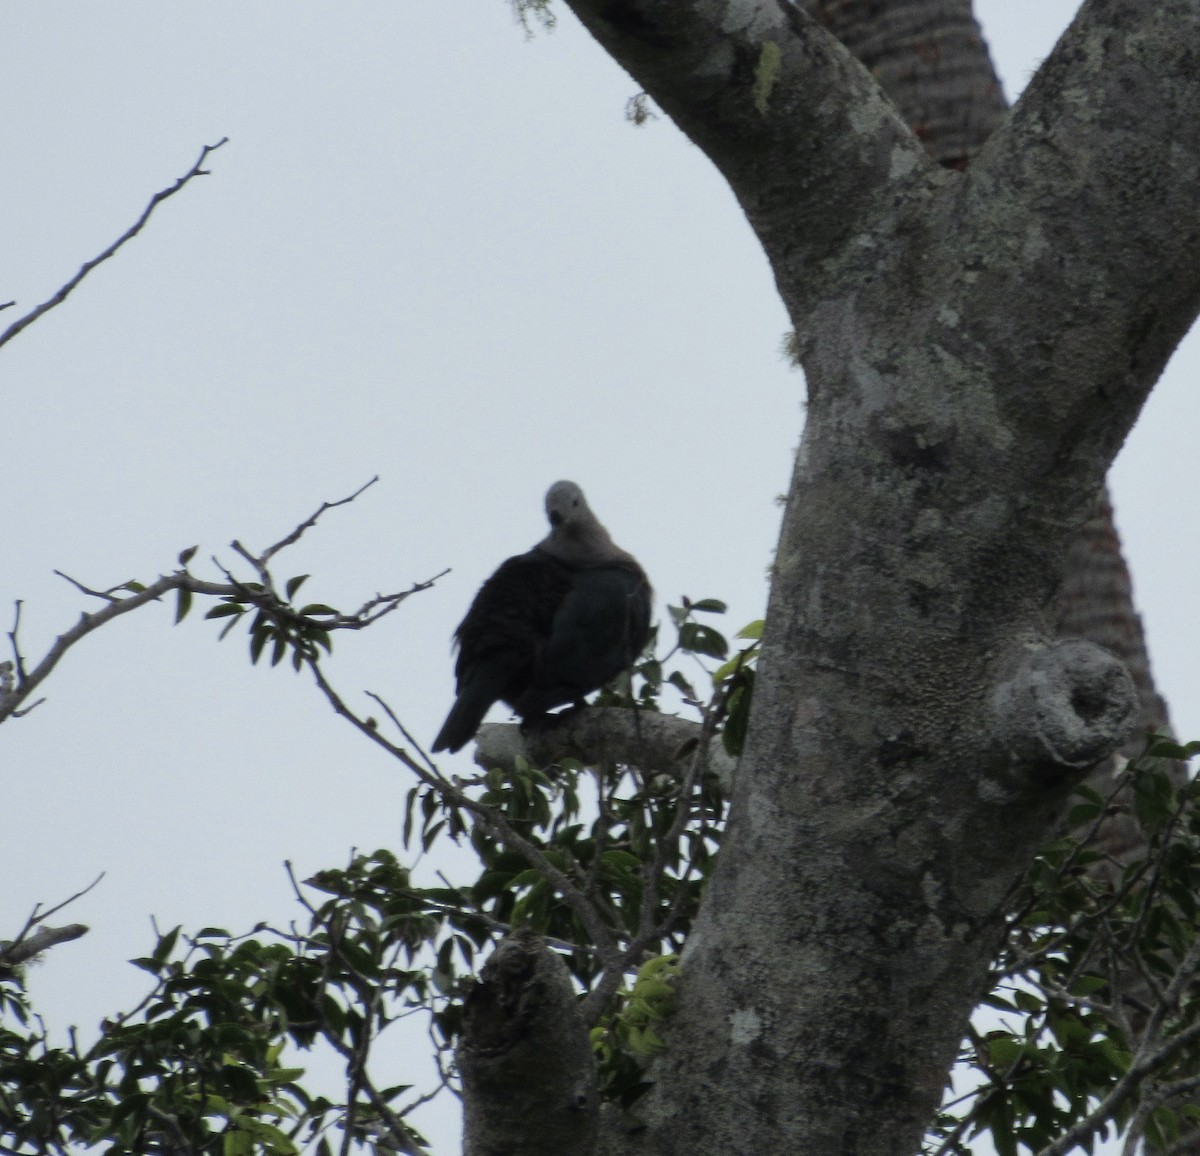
[[434, 251]]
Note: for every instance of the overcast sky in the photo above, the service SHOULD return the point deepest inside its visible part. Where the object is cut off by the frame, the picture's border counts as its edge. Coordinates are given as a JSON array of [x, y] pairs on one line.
[[435, 251]]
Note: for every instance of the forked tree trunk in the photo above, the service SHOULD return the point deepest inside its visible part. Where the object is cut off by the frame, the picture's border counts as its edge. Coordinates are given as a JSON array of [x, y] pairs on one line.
[[930, 57], [978, 329]]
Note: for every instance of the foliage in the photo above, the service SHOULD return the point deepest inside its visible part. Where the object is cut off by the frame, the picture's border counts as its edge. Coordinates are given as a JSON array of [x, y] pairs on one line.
[[210, 1061], [1100, 1029], [1099, 1026], [625, 1038], [198, 1065]]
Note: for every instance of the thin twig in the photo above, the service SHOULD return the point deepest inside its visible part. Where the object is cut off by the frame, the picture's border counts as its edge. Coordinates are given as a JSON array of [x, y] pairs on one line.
[[298, 532], [109, 595], [493, 822], [197, 170], [18, 658], [89, 622]]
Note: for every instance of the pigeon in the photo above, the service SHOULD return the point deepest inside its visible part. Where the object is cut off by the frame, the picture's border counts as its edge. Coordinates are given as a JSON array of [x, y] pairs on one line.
[[551, 625]]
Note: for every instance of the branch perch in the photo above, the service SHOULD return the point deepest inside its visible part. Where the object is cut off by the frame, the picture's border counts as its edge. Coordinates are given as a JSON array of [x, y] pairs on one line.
[[658, 744]]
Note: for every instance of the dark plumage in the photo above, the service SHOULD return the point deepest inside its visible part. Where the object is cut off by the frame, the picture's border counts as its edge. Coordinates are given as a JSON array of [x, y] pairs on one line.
[[551, 625]]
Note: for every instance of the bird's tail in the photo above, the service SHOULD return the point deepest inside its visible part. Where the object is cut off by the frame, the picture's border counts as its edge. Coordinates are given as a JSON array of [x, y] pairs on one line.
[[462, 722]]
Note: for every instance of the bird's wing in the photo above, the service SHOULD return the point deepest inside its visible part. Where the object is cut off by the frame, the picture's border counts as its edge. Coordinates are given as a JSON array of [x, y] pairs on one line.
[[598, 630]]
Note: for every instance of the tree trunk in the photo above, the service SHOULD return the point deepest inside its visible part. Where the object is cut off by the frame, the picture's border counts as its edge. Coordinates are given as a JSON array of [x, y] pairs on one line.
[[977, 344], [929, 56]]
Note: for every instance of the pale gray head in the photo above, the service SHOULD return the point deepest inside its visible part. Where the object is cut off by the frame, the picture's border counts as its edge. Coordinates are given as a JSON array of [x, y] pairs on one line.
[[576, 535], [565, 503]]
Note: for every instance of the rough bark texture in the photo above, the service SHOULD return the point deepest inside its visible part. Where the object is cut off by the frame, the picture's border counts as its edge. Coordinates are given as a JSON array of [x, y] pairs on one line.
[[977, 345], [931, 60], [1096, 602], [656, 743], [979, 327], [929, 57], [528, 1072]]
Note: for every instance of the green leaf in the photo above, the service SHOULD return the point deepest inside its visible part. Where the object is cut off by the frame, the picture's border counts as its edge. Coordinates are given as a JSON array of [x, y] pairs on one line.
[[259, 637], [700, 639], [183, 604], [1004, 1050], [294, 584], [165, 945], [187, 555], [267, 1134], [737, 720], [1083, 813], [238, 1143], [709, 606], [676, 679], [1028, 1002], [225, 609]]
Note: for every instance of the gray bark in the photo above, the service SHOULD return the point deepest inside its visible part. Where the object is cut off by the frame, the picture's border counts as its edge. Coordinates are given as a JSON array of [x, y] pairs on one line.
[[931, 60], [977, 345], [657, 744], [528, 1072]]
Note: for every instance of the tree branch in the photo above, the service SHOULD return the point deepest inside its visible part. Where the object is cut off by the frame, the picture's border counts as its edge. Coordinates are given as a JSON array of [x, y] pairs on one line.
[[17, 684], [772, 98], [658, 744], [197, 170], [1080, 201], [489, 818], [45, 938]]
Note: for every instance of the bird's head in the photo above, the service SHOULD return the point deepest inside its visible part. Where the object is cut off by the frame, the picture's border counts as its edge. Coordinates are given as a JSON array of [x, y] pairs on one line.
[[565, 504]]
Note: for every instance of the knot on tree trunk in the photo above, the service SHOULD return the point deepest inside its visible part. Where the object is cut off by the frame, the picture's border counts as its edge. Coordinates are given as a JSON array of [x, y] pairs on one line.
[[525, 1056], [1070, 704]]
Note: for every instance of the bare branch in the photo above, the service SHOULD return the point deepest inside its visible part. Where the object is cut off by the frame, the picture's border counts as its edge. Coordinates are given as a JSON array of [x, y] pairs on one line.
[[657, 743], [40, 941], [197, 170], [298, 532], [18, 658], [129, 596], [26, 946], [89, 622], [109, 595]]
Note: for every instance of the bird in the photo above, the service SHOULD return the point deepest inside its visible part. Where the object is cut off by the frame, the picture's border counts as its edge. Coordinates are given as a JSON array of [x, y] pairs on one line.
[[550, 625]]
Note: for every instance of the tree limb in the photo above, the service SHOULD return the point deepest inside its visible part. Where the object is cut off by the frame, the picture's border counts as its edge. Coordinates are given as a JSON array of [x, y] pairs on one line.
[[658, 744], [17, 683], [197, 170], [41, 940], [774, 100]]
